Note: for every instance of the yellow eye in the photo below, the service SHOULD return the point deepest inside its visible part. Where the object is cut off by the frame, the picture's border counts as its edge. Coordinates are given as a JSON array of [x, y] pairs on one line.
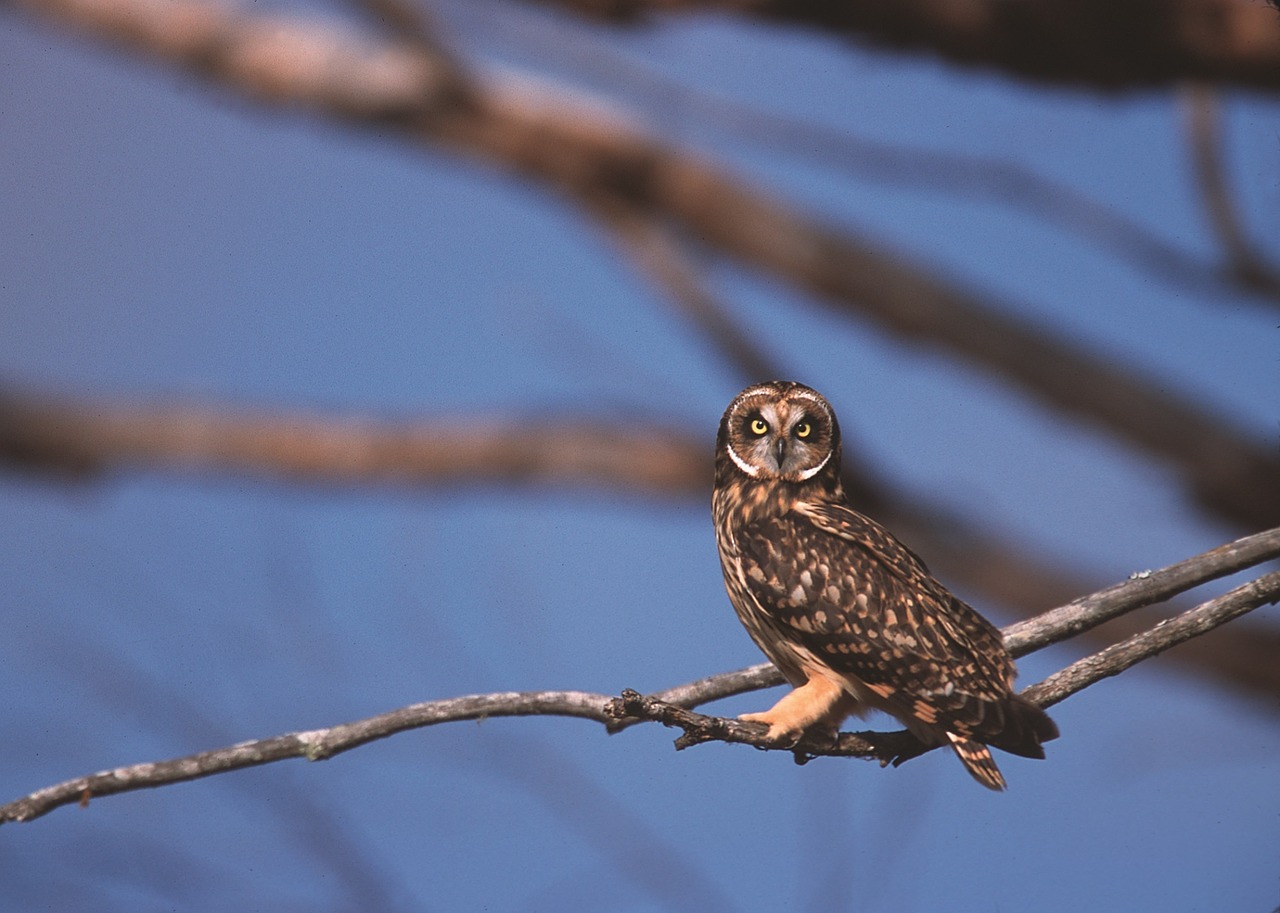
[[803, 430], [759, 427]]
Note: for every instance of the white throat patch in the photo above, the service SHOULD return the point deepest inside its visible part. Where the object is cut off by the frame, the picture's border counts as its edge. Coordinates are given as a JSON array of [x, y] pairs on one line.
[[810, 473]]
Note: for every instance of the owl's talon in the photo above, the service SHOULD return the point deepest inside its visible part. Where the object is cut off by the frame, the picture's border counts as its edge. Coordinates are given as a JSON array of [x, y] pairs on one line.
[[779, 734]]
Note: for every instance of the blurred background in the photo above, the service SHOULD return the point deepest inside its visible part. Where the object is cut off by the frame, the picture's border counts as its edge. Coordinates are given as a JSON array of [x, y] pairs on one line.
[[354, 355]]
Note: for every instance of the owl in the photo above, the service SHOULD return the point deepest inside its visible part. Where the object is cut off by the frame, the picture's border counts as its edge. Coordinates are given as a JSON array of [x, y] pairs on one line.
[[850, 615]]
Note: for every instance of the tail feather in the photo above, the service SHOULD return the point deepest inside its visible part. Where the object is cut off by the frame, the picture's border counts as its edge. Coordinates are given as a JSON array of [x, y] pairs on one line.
[[1023, 727], [977, 759]]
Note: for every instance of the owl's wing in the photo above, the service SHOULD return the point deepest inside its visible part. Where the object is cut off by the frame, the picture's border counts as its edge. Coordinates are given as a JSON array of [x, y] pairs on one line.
[[961, 625], [842, 588]]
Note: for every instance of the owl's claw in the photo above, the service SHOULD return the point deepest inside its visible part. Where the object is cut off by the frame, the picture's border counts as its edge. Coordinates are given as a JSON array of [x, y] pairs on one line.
[[780, 734], [817, 704]]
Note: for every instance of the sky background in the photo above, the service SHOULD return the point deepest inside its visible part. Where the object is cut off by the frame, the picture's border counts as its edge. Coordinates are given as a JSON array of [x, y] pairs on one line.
[[162, 239]]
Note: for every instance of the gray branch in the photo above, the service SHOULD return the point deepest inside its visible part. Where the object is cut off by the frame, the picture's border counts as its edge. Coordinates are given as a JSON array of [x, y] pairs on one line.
[[1168, 633], [672, 707]]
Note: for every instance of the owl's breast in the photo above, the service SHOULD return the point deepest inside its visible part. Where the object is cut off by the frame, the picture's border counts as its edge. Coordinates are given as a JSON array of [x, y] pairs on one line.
[[754, 616]]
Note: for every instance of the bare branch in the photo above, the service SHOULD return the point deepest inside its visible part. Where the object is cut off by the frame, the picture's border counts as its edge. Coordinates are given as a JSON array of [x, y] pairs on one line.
[[592, 155], [1142, 589], [1100, 44], [316, 745], [1115, 659], [671, 707]]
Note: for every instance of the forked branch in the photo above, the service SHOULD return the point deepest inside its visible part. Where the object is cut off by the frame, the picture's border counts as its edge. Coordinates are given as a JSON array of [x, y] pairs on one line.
[[672, 707]]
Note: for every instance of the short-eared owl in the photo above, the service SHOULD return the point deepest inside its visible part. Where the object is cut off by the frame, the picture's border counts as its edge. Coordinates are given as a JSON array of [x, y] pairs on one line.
[[848, 613]]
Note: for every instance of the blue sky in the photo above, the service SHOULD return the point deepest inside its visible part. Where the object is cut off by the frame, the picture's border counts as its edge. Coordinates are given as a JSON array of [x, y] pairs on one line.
[[162, 239]]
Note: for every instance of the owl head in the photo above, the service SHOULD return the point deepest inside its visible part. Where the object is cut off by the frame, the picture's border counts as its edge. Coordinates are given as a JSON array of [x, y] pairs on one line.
[[779, 431]]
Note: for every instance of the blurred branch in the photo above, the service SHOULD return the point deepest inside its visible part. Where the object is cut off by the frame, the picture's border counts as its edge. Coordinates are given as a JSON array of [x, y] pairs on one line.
[[80, 439], [593, 155], [658, 252], [1244, 262], [671, 707], [84, 438], [1008, 184], [1097, 44]]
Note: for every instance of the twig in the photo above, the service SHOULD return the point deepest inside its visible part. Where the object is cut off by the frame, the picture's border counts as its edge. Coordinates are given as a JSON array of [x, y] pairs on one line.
[[671, 707]]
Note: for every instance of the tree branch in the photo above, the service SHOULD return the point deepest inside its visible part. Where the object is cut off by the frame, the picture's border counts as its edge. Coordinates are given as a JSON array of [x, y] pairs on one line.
[[316, 745], [1115, 659], [1096, 44], [1141, 589], [671, 707]]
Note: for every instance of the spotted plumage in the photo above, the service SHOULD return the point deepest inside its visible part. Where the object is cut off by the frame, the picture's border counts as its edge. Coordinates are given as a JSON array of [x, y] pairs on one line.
[[850, 615]]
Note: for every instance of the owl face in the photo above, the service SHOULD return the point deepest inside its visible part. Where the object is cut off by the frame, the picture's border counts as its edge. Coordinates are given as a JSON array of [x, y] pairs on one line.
[[780, 430]]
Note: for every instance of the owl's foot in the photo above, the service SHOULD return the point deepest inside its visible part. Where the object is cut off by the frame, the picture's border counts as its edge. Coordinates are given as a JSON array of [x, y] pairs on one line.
[[819, 703], [780, 731]]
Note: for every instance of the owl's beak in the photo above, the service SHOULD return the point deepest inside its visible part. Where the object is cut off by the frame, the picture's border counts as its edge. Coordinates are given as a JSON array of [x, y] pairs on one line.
[[780, 451]]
